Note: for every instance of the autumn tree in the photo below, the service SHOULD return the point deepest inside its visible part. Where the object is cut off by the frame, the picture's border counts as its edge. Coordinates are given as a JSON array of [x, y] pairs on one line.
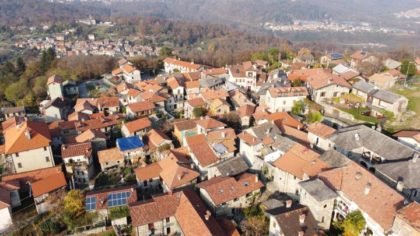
[[353, 224], [408, 68]]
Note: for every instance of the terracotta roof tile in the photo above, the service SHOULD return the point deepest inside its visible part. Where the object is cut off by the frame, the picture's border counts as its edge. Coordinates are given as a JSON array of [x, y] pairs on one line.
[[224, 189], [288, 91], [411, 215], [201, 150], [89, 135], [300, 161], [380, 203], [31, 176], [196, 102], [285, 119], [48, 184], [189, 65], [139, 124], [246, 110], [185, 125], [141, 106], [321, 130], [148, 172], [108, 155], [210, 123], [26, 136], [80, 149]]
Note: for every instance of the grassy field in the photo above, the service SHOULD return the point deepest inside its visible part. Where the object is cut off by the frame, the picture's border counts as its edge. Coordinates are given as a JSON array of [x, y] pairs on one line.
[[412, 121]]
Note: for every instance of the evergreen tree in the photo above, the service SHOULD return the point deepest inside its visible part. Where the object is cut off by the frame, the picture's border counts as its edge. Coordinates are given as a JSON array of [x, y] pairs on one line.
[[20, 66]]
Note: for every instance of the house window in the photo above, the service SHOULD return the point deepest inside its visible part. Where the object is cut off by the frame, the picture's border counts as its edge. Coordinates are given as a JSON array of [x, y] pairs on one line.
[[168, 230], [322, 94], [322, 220], [151, 226], [19, 165], [235, 200], [45, 148], [145, 183], [325, 206], [47, 159], [17, 154], [335, 94], [167, 219]]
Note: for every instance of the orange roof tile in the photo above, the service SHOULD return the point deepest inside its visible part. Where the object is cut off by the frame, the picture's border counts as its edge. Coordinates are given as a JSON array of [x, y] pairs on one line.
[[411, 215], [54, 79], [222, 189], [26, 136], [79, 149], [31, 176], [288, 91], [156, 137], [321, 130], [116, 71], [151, 171], [139, 124], [352, 180], [300, 160], [109, 155], [89, 135], [48, 184], [201, 150], [192, 84], [141, 106], [175, 175], [246, 110], [210, 123], [196, 102], [107, 102], [249, 139], [285, 119], [127, 68]]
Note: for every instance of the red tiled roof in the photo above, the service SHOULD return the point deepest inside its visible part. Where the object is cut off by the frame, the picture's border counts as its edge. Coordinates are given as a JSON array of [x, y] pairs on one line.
[[139, 124], [186, 206], [112, 154], [196, 102], [141, 106], [411, 214], [102, 195], [26, 136], [189, 65], [300, 161], [285, 119], [79, 149], [321, 130], [210, 123], [201, 150], [288, 92], [380, 203], [48, 184], [148, 172], [185, 125], [222, 189]]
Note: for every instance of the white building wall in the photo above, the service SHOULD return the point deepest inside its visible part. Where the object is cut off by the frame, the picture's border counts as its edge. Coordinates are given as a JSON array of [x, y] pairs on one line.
[[5, 219], [33, 159], [329, 92], [55, 91]]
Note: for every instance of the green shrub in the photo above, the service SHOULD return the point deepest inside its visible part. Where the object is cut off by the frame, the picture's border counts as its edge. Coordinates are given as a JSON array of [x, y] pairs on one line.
[[118, 212]]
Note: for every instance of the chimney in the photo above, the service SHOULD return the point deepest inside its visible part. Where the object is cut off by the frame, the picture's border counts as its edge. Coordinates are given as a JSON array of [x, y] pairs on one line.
[[28, 134], [367, 188], [356, 136], [207, 215], [302, 218], [288, 203], [415, 157], [223, 135], [256, 178]]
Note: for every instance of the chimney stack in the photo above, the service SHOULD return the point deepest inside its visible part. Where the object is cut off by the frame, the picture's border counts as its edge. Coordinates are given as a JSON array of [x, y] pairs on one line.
[[415, 157], [367, 188], [289, 203], [28, 134], [207, 215], [302, 218]]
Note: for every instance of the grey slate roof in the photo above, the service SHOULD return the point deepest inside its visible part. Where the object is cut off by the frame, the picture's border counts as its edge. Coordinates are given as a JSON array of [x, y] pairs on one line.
[[386, 96], [363, 86], [317, 189], [352, 137], [406, 171], [334, 159], [232, 166], [211, 81]]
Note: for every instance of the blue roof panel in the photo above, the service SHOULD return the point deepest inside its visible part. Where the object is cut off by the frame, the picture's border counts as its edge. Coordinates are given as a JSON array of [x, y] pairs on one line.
[[129, 143]]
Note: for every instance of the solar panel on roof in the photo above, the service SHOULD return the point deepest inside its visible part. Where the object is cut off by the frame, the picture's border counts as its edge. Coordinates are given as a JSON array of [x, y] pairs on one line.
[[90, 203], [117, 199]]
